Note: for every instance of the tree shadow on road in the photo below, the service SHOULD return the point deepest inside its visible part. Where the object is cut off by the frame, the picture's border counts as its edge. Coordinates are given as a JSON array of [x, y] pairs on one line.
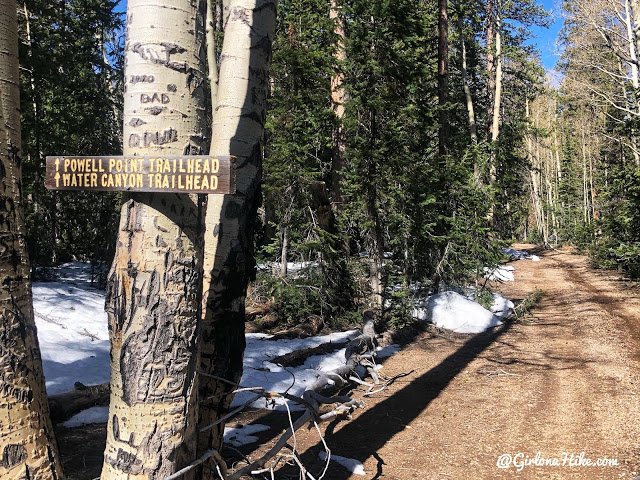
[[370, 431]]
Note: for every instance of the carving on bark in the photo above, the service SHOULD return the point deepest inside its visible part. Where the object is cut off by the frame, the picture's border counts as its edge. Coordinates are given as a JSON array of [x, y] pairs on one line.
[[153, 296], [27, 445]]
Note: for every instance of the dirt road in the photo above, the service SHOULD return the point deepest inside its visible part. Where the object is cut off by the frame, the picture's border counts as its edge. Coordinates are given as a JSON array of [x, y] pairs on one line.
[[563, 385]]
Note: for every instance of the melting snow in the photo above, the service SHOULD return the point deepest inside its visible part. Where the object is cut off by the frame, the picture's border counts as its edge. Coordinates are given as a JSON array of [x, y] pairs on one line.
[[242, 435], [502, 307], [520, 254], [453, 311], [351, 464], [503, 273], [72, 330], [90, 415], [74, 339], [260, 371]]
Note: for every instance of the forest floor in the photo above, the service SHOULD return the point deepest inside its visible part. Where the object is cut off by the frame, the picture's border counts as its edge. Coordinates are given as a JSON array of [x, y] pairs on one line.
[[561, 386]]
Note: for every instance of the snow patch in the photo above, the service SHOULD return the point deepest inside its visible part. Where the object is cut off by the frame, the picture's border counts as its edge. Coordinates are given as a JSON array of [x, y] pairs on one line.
[[74, 343], [351, 464], [503, 273], [90, 415], [387, 351], [260, 371], [292, 267], [452, 311], [520, 254], [243, 435], [72, 329], [502, 307]]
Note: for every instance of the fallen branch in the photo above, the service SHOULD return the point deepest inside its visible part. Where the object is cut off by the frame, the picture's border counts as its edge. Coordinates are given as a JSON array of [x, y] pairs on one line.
[[360, 352], [298, 357], [65, 405], [388, 382], [273, 451], [222, 466]]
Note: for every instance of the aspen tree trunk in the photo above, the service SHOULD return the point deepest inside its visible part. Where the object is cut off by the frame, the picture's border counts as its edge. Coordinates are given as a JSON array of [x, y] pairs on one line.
[[535, 181], [585, 190], [544, 215], [473, 131], [550, 201], [631, 96], [376, 268], [490, 12], [634, 6], [497, 97], [550, 172], [238, 127], [592, 189], [27, 445], [496, 82], [539, 211], [338, 96], [153, 292], [557, 152], [635, 80], [34, 197], [284, 257], [467, 90], [375, 237]]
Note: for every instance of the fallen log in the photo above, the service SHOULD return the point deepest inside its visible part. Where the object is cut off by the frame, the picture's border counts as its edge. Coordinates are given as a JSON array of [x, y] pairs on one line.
[[298, 357], [65, 405]]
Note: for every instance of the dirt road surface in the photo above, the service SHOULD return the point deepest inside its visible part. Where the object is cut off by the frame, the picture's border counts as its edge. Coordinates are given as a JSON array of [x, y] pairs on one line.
[[559, 387]]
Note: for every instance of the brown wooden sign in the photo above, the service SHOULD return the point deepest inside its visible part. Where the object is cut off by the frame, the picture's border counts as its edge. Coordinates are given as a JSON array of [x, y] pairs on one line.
[[181, 174]]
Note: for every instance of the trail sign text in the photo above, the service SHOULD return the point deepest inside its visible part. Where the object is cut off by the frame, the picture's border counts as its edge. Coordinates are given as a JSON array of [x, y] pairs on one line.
[[182, 174]]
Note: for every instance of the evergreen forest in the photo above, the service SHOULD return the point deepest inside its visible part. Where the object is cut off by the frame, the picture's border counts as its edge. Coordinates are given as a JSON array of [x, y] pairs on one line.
[[384, 155], [407, 142]]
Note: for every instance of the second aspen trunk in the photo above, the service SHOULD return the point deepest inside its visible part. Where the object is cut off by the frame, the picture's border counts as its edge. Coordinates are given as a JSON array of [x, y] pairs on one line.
[[238, 126]]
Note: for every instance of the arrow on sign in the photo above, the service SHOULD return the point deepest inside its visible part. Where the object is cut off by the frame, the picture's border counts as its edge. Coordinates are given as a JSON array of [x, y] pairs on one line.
[[166, 173]]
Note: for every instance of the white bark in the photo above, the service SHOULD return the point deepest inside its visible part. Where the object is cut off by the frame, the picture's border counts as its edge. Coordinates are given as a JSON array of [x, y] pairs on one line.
[[27, 445], [635, 14], [497, 98], [467, 90], [238, 125], [632, 46], [153, 292]]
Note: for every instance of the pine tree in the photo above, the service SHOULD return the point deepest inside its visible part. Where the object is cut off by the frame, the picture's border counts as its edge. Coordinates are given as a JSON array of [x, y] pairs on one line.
[[71, 101]]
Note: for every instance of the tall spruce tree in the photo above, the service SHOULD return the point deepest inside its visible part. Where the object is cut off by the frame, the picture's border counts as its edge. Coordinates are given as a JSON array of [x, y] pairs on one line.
[[71, 98], [301, 149]]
